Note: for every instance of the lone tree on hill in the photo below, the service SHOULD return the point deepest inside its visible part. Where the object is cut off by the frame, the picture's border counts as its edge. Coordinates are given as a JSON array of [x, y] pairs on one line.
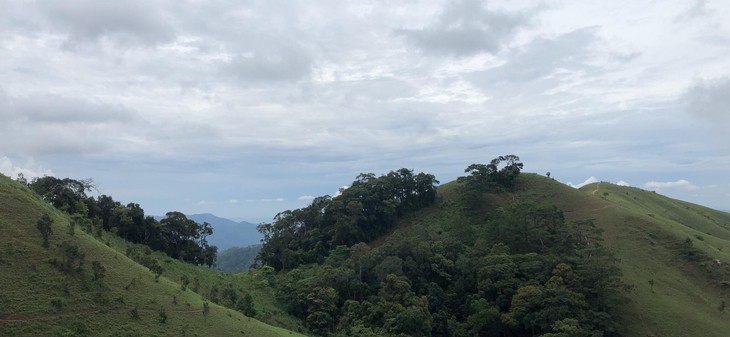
[[44, 226], [206, 310]]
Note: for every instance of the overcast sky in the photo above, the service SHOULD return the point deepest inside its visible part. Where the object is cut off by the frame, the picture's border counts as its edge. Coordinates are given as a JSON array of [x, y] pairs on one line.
[[245, 109]]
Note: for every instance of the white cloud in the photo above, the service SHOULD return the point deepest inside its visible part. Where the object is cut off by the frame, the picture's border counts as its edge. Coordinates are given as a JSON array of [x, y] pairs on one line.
[[233, 201], [279, 97], [590, 180], [306, 197], [205, 202], [266, 200], [622, 183], [679, 184], [29, 170], [339, 191]]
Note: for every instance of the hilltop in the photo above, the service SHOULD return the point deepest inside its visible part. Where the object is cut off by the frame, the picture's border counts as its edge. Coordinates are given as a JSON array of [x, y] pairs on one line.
[[674, 254], [498, 251], [521, 255], [86, 286]]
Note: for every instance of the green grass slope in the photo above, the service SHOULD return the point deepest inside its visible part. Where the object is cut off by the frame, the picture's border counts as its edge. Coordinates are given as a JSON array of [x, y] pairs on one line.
[[675, 254], [38, 299]]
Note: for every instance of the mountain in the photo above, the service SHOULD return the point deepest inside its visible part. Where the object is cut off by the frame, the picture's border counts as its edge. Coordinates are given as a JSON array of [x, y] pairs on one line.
[[81, 285], [483, 268], [237, 259], [228, 233], [522, 261], [675, 254]]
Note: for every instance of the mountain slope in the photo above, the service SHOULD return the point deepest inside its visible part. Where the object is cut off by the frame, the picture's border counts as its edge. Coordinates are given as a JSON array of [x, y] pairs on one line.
[[674, 254], [42, 295], [237, 259]]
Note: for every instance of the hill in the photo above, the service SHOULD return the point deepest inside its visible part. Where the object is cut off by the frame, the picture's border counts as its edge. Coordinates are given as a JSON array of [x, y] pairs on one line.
[[237, 259], [525, 260], [228, 233], [673, 253], [86, 286]]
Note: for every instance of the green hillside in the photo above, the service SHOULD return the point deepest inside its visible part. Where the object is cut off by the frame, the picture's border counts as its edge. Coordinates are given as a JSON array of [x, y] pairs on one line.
[[651, 233], [677, 291], [446, 261], [46, 293], [520, 260]]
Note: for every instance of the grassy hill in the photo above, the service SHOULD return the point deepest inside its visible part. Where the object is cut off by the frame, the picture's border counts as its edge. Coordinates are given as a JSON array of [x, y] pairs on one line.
[[675, 254], [42, 297]]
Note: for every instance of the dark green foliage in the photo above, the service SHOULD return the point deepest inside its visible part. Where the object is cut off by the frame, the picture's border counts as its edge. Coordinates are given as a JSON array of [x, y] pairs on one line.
[[155, 268], [64, 194], [134, 313], [176, 235], [73, 257], [58, 303], [484, 178], [162, 313], [364, 211], [245, 305], [184, 281], [44, 226], [237, 259], [98, 269], [523, 272], [206, 309]]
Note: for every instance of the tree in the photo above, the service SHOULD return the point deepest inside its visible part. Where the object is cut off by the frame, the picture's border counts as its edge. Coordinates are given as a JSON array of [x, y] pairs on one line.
[[44, 226], [206, 310], [245, 305], [484, 178], [73, 257], [186, 239], [163, 315], [63, 194], [155, 268], [98, 269]]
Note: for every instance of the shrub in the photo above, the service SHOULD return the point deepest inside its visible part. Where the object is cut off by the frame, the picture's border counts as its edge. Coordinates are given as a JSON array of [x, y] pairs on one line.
[[44, 226], [98, 269], [163, 315], [134, 313]]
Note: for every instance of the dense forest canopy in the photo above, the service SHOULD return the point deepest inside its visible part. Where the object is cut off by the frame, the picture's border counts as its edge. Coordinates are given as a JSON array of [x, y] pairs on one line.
[[364, 211], [522, 271]]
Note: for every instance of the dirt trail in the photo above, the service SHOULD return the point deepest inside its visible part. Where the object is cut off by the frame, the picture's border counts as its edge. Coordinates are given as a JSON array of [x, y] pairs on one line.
[[597, 187]]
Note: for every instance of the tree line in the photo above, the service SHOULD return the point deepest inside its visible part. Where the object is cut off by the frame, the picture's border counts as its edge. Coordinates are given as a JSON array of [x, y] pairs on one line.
[[519, 270], [362, 212], [175, 234]]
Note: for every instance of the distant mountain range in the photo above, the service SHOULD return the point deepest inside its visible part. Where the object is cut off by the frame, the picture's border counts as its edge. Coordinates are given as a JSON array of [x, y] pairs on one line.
[[226, 232]]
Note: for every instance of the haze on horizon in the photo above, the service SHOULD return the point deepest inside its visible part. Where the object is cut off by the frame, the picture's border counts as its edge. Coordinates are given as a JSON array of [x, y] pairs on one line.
[[247, 109]]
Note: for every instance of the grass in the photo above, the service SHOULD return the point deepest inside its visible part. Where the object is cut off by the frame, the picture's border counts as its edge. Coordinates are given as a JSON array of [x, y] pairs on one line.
[[672, 295], [39, 299]]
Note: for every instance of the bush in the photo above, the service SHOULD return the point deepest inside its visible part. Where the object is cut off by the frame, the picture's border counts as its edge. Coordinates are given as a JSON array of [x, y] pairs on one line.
[[44, 226], [98, 269], [163, 315], [134, 313], [58, 303]]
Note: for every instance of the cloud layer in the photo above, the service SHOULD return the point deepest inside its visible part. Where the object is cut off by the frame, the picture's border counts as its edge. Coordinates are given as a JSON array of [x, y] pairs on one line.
[[170, 104]]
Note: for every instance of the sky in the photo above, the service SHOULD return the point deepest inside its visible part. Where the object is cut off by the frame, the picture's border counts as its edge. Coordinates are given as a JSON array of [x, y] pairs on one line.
[[246, 109]]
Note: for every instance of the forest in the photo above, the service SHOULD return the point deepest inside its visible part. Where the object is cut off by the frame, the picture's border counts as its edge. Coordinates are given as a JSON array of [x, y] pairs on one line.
[[523, 271]]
